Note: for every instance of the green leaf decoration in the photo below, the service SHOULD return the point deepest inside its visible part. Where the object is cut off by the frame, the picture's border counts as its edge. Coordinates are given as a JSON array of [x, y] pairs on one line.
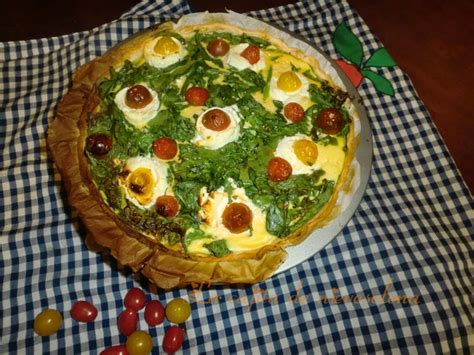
[[347, 44], [380, 58], [381, 83]]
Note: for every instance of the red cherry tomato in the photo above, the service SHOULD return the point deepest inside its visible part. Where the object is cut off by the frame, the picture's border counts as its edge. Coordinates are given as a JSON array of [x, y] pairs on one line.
[[135, 299], [127, 322], [196, 96], [216, 120], [294, 112], [165, 148], [167, 206], [251, 53], [237, 217], [279, 169], [330, 121], [99, 144], [154, 313], [83, 311], [218, 47], [173, 340], [138, 97], [115, 350]]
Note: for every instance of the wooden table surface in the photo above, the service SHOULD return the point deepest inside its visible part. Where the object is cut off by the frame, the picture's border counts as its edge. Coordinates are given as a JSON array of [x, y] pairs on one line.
[[431, 40]]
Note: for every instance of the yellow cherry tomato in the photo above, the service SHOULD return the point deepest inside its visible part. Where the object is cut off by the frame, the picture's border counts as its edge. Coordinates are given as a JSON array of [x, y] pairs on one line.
[[48, 322], [178, 310], [306, 151], [166, 46], [139, 343], [289, 81]]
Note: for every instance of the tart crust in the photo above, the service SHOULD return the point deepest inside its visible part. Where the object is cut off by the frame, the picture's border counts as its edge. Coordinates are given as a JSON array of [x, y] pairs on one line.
[[164, 267]]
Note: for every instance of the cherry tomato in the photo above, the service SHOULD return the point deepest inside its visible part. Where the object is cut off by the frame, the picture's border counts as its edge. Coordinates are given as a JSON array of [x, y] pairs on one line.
[[218, 47], [99, 144], [115, 350], [306, 151], [216, 120], [330, 121], [165, 148], [196, 96], [138, 97], [154, 313], [251, 53], [237, 217], [166, 46], [278, 169], [83, 311], [139, 343], [178, 310], [135, 299], [48, 322], [127, 322], [173, 340], [294, 112], [289, 82], [167, 206]]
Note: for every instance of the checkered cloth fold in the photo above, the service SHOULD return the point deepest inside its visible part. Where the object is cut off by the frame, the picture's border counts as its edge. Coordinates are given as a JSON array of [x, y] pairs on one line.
[[398, 278]]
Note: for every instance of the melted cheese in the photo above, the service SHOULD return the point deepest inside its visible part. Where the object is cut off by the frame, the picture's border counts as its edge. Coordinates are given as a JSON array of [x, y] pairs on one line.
[[190, 111], [267, 103], [282, 62], [213, 205], [243, 242], [197, 246], [331, 159]]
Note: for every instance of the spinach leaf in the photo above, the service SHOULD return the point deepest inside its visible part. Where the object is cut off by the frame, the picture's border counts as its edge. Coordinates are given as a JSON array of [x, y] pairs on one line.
[[266, 90], [234, 39], [311, 207], [218, 248], [326, 96], [277, 219], [238, 86], [172, 125], [187, 193], [194, 235]]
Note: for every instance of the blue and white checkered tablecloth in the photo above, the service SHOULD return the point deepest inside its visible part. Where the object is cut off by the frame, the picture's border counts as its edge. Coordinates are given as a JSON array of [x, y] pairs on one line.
[[397, 279]]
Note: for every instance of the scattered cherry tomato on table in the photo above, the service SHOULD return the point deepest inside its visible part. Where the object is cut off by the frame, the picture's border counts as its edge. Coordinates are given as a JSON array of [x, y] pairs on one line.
[[127, 322], [178, 310], [135, 299], [173, 340], [115, 350], [48, 322], [139, 343], [83, 311], [154, 313]]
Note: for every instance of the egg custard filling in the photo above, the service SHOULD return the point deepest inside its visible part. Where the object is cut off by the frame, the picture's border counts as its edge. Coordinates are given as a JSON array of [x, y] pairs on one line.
[[216, 143]]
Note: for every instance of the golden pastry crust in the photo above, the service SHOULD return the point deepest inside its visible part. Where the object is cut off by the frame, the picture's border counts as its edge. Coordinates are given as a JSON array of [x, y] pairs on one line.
[[164, 267]]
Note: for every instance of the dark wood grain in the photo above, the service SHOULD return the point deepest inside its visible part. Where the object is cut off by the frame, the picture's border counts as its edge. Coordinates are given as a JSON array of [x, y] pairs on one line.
[[237, 6], [432, 40]]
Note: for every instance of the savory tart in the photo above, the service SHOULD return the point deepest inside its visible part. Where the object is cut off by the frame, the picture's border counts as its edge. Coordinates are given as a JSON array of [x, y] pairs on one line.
[[198, 153]]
